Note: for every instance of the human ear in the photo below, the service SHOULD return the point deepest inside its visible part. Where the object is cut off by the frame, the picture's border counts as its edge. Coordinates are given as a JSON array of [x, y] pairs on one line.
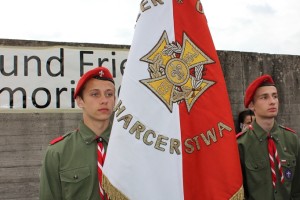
[[251, 106], [79, 101]]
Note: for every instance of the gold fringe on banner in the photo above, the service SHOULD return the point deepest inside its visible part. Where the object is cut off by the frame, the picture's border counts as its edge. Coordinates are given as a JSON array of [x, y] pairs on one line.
[[239, 195], [112, 192]]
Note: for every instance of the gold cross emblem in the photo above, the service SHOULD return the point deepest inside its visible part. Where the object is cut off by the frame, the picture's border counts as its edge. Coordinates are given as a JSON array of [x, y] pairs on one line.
[[176, 72]]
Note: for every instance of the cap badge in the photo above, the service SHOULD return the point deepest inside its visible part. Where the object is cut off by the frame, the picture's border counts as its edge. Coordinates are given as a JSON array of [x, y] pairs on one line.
[[101, 73]]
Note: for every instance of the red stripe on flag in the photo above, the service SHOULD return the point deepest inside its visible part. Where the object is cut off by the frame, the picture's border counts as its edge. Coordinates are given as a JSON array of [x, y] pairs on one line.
[[210, 171]]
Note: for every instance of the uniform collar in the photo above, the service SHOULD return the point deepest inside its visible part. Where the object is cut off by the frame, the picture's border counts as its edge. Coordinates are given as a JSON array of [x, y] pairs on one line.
[[261, 134], [89, 136]]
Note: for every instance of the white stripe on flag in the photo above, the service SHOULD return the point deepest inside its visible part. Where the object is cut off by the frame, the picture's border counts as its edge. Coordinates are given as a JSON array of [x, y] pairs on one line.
[[138, 173]]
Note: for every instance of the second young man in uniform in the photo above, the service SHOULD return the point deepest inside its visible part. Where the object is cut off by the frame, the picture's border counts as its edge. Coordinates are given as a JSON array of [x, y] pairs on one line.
[[269, 153]]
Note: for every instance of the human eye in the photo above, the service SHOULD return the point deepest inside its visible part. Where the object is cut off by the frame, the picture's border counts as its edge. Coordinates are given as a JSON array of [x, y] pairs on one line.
[[109, 94], [263, 97], [94, 93]]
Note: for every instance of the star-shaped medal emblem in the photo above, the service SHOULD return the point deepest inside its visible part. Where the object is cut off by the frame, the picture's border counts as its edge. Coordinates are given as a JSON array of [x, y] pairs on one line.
[[176, 72]]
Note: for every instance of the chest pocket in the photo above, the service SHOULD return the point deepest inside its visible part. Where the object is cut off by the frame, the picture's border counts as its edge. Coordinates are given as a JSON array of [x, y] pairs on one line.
[[256, 165], [74, 181], [255, 172], [75, 175]]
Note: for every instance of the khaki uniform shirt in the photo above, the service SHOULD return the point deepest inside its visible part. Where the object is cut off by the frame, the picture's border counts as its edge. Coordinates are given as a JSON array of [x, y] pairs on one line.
[[69, 168], [253, 148]]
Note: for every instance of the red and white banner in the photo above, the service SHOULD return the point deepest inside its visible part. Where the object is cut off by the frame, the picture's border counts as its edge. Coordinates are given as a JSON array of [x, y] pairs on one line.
[[173, 134]]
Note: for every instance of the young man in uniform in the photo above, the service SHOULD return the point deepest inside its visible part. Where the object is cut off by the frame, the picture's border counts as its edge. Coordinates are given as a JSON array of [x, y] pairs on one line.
[[269, 153], [71, 162]]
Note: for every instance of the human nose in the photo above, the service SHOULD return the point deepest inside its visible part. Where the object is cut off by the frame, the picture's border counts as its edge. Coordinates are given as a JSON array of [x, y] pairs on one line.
[[273, 100], [103, 99]]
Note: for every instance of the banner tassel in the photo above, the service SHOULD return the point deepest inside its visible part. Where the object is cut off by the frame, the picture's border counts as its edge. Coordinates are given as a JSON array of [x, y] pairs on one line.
[[239, 195], [112, 192]]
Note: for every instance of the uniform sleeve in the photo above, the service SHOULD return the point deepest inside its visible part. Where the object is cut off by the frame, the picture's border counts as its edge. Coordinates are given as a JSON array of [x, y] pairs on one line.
[[50, 185], [296, 180], [242, 161]]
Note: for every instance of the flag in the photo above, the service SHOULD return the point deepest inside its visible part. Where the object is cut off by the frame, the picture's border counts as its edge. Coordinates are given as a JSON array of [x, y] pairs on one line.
[[173, 133]]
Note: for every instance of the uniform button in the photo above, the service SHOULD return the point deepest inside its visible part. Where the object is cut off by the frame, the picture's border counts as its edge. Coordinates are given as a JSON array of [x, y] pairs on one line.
[[75, 176], [255, 166], [260, 140], [275, 191]]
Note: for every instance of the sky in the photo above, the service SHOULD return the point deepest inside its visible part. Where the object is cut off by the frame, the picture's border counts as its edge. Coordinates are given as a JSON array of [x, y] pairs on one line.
[[261, 26]]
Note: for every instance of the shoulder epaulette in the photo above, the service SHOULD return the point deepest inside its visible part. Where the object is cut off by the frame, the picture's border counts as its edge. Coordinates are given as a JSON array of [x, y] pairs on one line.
[[244, 131], [60, 138], [239, 134], [288, 129], [56, 140], [250, 127]]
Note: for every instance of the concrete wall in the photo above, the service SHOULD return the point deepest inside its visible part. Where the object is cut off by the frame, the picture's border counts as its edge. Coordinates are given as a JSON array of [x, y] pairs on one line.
[[25, 136]]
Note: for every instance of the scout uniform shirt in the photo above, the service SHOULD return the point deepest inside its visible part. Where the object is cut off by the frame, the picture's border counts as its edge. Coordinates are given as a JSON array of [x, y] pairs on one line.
[[69, 170], [254, 156]]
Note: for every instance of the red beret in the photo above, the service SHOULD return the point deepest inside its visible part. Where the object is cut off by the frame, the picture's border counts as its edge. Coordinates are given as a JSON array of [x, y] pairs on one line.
[[100, 73], [265, 79]]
